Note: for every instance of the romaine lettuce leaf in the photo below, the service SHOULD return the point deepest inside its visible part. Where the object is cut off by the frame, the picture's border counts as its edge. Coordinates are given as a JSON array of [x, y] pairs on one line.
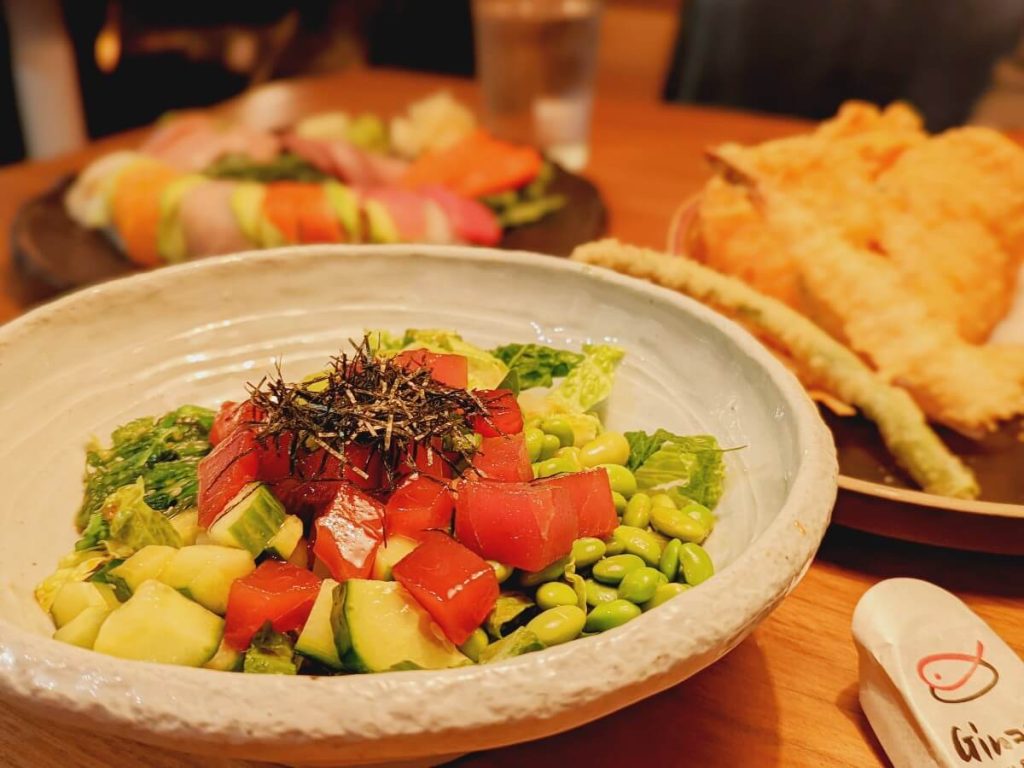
[[485, 370], [684, 467], [536, 365], [77, 566], [590, 382], [133, 523]]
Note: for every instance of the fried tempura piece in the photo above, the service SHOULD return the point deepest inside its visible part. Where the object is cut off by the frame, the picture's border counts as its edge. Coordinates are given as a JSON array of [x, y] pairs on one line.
[[902, 425], [832, 170], [953, 224], [863, 299]]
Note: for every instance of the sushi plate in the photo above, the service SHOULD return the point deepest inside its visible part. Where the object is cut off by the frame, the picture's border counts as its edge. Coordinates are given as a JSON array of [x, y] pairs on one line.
[[48, 246]]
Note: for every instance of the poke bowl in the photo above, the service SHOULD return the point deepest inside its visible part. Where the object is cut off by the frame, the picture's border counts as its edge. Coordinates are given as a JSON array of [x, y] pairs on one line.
[[76, 369]]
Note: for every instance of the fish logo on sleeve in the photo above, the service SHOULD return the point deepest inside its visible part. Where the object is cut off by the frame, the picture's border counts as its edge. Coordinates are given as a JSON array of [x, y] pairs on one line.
[[954, 678]]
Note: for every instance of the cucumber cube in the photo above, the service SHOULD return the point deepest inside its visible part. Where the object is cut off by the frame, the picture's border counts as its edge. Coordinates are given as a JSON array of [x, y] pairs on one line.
[[159, 624], [144, 565], [205, 573], [75, 596], [390, 553], [253, 518], [317, 638], [82, 629], [285, 541]]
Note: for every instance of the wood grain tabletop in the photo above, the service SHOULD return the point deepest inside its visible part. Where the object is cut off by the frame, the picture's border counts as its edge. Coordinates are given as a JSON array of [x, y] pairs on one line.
[[787, 696]]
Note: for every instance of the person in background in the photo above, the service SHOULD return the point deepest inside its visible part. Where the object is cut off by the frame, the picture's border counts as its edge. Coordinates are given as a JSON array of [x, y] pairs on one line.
[[805, 57]]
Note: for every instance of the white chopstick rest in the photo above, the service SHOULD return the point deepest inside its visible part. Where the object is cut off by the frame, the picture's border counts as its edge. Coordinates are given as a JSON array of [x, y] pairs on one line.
[[938, 685]]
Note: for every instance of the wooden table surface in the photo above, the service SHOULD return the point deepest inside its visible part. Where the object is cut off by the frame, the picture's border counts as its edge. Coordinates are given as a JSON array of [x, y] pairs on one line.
[[787, 696]]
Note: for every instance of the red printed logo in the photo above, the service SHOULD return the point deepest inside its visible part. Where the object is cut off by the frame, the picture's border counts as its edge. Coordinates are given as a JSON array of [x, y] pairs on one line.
[[954, 678]]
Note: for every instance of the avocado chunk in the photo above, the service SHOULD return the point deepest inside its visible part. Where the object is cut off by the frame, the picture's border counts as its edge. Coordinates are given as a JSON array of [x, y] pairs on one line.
[[378, 626]]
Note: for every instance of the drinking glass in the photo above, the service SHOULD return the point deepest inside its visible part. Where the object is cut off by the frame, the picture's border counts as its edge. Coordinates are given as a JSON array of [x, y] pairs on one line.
[[536, 61]]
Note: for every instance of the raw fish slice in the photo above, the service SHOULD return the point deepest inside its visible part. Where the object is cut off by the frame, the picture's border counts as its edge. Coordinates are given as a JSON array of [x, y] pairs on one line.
[[135, 205], [346, 161], [193, 142], [472, 221], [209, 223], [87, 201], [407, 210]]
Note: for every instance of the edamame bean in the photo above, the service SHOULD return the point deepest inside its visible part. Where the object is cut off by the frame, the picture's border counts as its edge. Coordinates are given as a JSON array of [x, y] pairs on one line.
[[620, 503], [553, 466], [534, 439], [558, 625], [552, 573], [560, 428], [620, 479], [501, 571], [606, 448], [587, 551], [640, 585], [475, 644], [613, 547], [599, 593], [638, 511], [700, 513], [663, 500], [554, 594], [637, 541], [610, 615], [532, 423], [571, 456], [549, 445], [612, 569], [669, 563], [677, 524], [695, 564], [663, 593]]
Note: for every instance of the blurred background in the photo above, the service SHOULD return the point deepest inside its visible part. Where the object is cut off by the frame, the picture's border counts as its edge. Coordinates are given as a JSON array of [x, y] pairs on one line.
[[126, 62]]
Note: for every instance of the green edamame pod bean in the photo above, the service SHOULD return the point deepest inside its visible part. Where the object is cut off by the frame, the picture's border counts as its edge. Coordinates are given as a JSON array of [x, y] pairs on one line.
[[663, 500], [700, 513], [552, 573], [599, 593], [620, 479], [558, 625], [501, 571], [475, 643], [587, 551], [560, 428], [611, 570], [610, 615], [695, 564], [534, 440], [532, 423], [620, 503], [613, 547], [637, 541], [638, 511], [549, 445], [663, 593], [571, 456], [669, 563], [554, 594], [677, 524], [640, 585], [606, 448], [553, 466]]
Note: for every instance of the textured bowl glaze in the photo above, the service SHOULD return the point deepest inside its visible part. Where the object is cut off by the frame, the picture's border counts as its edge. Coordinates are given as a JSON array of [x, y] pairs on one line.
[[197, 333]]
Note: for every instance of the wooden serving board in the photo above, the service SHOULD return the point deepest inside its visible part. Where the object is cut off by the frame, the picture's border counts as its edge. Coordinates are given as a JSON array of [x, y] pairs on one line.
[[50, 247]]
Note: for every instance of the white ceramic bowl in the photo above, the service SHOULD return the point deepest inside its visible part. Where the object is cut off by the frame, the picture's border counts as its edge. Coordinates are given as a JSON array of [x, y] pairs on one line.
[[197, 333]]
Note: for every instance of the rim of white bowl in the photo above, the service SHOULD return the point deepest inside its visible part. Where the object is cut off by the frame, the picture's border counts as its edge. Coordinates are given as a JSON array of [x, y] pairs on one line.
[[382, 716]]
